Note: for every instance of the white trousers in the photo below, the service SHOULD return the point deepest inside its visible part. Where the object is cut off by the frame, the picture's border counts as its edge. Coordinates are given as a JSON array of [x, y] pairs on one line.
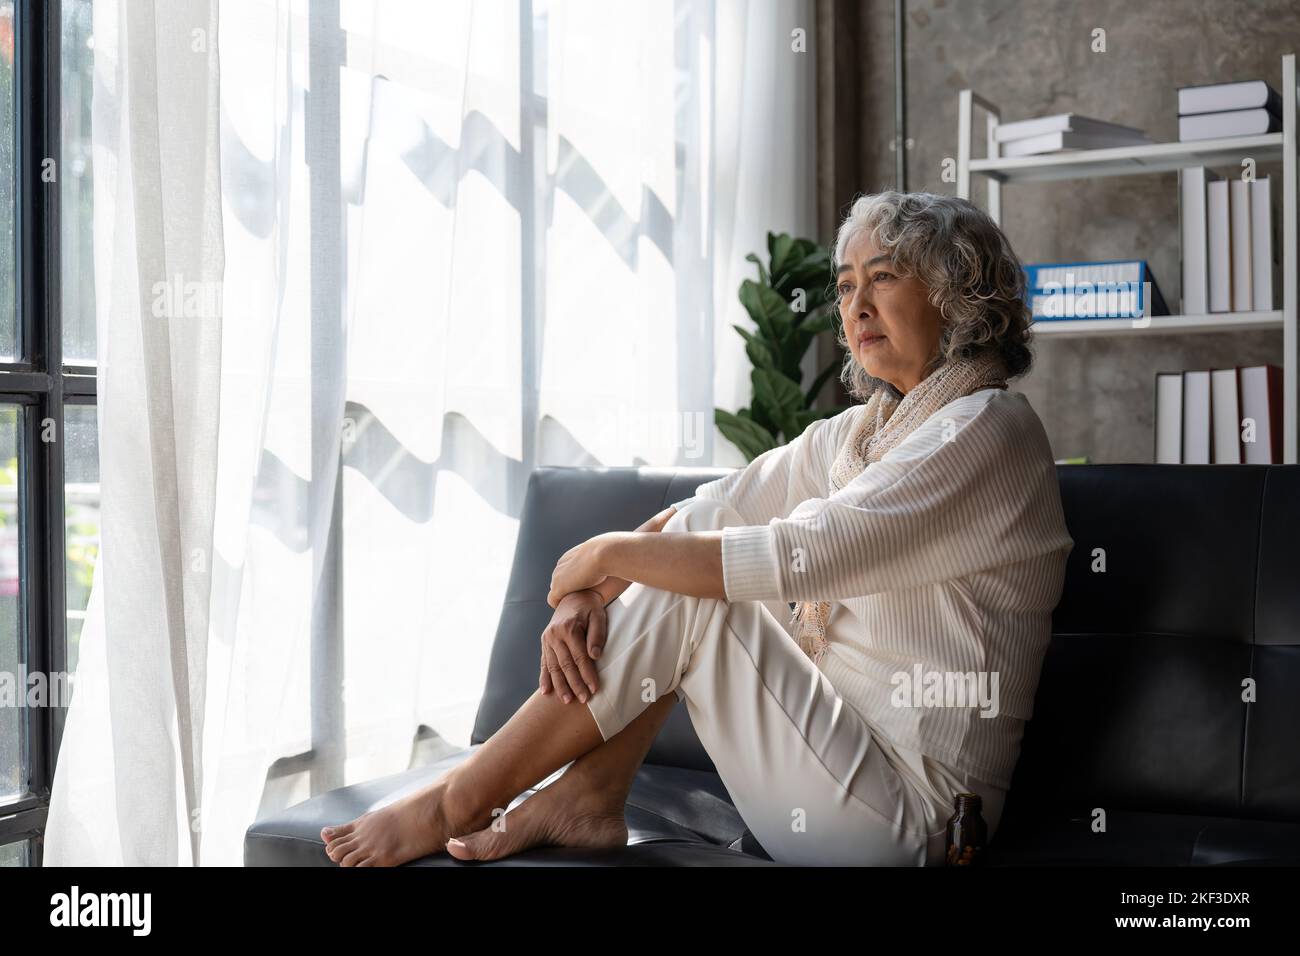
[[810, 779]]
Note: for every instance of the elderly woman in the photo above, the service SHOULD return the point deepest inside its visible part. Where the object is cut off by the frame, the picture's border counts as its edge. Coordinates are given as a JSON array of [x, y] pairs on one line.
[[920, 536]]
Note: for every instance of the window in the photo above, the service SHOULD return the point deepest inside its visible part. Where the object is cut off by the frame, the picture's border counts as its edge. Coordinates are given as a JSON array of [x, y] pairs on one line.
[[49, 493]]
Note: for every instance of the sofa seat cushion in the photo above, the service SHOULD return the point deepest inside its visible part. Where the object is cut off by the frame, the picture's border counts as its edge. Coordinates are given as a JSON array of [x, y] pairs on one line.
[[675, 817], [1134, 838]]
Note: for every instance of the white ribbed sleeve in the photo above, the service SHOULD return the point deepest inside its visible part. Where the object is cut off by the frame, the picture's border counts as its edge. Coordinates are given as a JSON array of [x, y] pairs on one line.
[[773, 483], [965, 492]]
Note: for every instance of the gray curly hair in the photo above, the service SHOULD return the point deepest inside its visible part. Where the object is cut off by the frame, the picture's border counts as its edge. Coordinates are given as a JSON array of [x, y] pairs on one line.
[[975, 278]]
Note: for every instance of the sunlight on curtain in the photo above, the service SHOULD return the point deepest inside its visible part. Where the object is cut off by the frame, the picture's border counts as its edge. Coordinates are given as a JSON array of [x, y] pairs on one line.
[[611, 388], [490, 238], [434, 368]]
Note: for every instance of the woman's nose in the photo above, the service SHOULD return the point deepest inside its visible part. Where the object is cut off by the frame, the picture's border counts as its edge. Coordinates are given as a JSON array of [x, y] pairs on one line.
[[861, 307]]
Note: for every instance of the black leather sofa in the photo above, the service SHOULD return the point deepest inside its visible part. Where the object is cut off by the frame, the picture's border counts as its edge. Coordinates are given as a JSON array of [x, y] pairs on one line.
[[1142, 750]]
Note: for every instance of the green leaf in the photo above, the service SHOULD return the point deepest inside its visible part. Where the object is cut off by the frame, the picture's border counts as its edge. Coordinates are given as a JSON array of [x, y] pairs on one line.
[[759, 352], [781, 248], [779, 397], [762, 272], [751, 438], [811, 272], [769, 311]]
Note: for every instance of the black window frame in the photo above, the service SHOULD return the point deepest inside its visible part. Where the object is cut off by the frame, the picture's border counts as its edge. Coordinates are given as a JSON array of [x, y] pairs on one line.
[[38, 382]]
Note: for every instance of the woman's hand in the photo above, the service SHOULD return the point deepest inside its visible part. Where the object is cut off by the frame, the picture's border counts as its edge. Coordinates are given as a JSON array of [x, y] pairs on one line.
[[574, 637], [579, 568]]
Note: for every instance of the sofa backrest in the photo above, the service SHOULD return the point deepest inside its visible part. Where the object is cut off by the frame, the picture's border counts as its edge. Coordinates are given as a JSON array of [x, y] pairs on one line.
[[1140, 702]]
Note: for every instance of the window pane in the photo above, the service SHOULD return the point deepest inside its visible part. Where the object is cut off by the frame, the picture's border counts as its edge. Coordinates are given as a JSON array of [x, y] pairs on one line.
[[14, 854], [81, 501], [8, 165], [13, 776], [75, 196]]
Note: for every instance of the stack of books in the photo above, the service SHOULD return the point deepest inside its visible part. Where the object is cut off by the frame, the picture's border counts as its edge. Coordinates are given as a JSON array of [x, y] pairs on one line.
[[1052, 134], [1219, 110], [1230, 244], [1116, 289], [1219, 416]]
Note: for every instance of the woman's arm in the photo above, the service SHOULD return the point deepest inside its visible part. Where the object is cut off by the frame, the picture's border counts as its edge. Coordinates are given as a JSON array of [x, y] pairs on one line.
[[684, 562], [780, 478], [940, 505], [612, 587]]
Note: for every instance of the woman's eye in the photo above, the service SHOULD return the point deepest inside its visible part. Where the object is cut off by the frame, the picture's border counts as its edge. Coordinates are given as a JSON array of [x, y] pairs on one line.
[[881, 275], [845, 289]]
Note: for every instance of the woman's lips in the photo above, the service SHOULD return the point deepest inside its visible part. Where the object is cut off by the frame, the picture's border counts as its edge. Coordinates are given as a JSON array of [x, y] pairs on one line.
[[868, 339]]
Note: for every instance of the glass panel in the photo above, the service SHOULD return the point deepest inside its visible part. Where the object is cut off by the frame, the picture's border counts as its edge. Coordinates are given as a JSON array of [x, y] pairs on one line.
[[75, 195], [13, 776], [81, 503], [14, 854], [8, 164]]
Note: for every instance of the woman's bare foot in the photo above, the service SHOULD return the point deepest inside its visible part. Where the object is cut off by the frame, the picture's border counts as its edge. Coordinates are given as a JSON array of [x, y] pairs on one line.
[[406, 829], [578, 809]]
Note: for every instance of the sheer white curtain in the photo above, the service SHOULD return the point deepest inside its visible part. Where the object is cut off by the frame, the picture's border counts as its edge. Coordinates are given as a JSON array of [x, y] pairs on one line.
[[446, 243]]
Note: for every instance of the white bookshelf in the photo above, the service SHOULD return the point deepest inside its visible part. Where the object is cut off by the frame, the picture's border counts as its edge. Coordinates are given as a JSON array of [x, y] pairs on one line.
[[1157, 324], [1161, 158]]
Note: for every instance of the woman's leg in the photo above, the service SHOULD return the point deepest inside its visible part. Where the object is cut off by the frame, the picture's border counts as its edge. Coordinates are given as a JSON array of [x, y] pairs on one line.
[[805, 771], [540, 738], [584, 807]]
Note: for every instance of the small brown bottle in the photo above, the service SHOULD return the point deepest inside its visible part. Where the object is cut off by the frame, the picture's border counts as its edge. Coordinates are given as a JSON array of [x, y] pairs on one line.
[[967, 832]]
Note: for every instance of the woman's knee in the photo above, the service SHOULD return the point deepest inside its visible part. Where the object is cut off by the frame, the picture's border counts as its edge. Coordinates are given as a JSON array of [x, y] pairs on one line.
[[703, 514]]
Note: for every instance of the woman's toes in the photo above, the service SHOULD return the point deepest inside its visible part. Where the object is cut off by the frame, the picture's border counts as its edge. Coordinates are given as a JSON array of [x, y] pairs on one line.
[[333, 833], [354, 856], [337, 849]]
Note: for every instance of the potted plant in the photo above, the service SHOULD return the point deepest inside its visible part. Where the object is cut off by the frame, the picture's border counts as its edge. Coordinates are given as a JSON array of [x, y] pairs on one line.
[[791, 304]]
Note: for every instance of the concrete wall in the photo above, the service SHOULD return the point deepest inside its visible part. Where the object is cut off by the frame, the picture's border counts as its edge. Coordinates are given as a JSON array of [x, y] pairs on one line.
[[1033, 58]]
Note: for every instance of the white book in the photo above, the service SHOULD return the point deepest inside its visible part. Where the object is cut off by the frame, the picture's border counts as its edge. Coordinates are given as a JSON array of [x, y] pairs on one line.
[[1219, 97], [1218, 245], [1239, 215], [1055, 142], [1222, 125], [1196, 417], [1262, 248], [1225, 408], [1195, 251], [1060, 123], [1255, 405], [1169, 418]]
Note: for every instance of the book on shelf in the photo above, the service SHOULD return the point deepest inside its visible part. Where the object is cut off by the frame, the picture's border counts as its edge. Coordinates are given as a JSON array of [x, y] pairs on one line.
[[1063, 123], [1265, 245], [1225, 97], [1196, 417], [1239, 229], [1219, 416], [1225, 410], [1219, 243], [1195, 251], [1229, 243], [1221, 110], [1261, 407], [1169, 418], [1056, 142], [1113, 289], [1225, 125]]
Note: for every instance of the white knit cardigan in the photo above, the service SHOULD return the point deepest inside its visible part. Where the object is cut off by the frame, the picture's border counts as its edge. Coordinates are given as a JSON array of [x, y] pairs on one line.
[[948, 553]]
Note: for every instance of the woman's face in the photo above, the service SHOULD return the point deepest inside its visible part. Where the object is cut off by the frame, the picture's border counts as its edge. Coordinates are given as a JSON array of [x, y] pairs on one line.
[[891, 326]]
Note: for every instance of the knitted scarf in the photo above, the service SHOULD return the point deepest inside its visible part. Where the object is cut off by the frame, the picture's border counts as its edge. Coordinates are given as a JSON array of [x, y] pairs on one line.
[[884, 422]]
